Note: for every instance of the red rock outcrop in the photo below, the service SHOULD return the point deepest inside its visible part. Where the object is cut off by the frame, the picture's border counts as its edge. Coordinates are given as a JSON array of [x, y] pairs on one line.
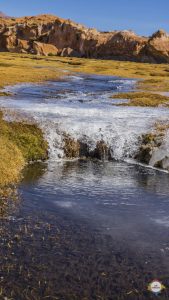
[[157, 48], [46, 34]]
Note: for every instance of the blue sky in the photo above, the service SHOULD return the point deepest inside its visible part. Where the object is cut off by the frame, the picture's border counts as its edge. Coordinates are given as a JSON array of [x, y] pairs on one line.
[[142, 16]]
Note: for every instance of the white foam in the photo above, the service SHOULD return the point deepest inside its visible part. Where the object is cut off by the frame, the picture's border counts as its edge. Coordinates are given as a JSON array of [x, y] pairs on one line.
[[163, 221], [64, 204], [92, 120]]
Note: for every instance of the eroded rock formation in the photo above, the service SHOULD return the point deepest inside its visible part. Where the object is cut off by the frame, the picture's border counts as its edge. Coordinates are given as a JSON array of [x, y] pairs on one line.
[[46, 34]]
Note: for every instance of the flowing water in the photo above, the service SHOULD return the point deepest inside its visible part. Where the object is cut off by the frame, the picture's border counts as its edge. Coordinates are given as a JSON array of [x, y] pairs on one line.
[[86, 229], [81, 106]]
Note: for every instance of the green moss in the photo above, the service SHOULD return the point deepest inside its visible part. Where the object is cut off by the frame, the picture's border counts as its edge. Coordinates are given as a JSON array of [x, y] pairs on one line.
[[19, 143], [4, 94], [142, 99], [29, 138]]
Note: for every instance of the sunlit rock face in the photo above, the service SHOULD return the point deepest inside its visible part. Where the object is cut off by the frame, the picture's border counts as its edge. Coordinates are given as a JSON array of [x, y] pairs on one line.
[[75, 40], [157, 48], [44, 49]]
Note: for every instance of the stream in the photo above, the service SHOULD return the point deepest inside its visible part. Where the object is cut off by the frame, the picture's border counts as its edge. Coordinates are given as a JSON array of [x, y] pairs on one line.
[[86, 229]]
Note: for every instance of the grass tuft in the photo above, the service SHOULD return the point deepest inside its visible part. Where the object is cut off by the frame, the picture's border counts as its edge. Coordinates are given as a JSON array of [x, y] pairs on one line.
[[142, 99], [19, 143], [12, 162]]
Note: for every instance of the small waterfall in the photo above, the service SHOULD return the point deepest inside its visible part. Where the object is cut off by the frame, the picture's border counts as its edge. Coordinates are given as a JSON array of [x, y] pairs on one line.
[[80, 106]]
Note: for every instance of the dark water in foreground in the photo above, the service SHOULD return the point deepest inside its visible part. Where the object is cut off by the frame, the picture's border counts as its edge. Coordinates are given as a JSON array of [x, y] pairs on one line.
[[86, 230]]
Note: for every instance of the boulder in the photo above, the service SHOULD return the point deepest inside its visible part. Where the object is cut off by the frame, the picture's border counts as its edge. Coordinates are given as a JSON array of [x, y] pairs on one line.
[[23, 46], [44, 49], [148, 144], [154, 147]]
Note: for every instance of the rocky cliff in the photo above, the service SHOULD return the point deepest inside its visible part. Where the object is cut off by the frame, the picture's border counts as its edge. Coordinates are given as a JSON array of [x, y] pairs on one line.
[[50, 35]]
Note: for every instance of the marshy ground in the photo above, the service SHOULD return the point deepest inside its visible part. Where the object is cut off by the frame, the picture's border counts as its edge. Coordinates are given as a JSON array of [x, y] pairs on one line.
[[17, 68]]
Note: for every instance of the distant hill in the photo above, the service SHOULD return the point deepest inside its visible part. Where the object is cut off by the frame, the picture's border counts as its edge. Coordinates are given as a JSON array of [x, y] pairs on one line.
[[3, 16]]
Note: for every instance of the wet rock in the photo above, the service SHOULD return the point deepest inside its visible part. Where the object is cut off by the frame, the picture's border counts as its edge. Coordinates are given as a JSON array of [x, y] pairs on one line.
[[154, 149], [84, 150], [71, 147], [160, 157], [144, 154], [101, 152], [149, 142], [78, 149], [163, 164]]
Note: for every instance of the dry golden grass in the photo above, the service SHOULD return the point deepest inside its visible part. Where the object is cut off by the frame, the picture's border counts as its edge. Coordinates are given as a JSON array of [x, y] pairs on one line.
[[19, 144], [12, 162], [142, 99], [17, 68]]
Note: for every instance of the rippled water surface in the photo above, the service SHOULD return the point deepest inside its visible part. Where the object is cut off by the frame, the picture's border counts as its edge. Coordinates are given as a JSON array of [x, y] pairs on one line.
[[86, 229]]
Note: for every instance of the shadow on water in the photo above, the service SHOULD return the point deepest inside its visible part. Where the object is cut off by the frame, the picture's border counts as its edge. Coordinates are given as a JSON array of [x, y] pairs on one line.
[[32, 173], [86, 230]]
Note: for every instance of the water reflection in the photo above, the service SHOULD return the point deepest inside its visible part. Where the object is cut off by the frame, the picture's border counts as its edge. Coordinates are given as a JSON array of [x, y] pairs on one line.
[[9, 202], [92, 230], [117, 198]]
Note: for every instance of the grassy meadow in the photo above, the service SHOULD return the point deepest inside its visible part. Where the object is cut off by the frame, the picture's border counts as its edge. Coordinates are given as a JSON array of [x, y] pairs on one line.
[[18, 68]]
